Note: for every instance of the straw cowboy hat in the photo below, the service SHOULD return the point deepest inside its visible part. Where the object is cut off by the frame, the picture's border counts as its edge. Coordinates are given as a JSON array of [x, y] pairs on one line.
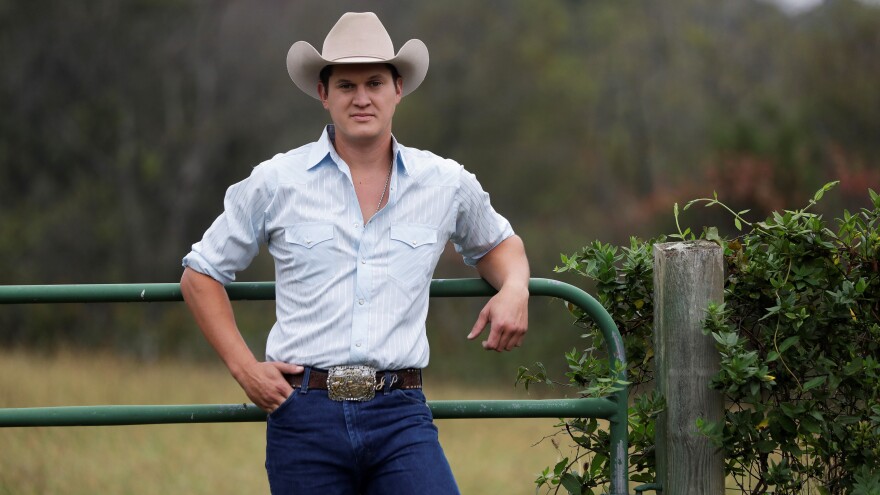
[[357, 38]]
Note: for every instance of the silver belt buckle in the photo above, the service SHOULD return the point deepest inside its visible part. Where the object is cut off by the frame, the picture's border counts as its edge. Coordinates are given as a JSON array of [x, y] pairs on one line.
[[356, 383]]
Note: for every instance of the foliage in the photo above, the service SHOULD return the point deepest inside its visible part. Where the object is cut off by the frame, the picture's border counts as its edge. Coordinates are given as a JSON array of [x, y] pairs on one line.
[[799, 339], [625, 288]]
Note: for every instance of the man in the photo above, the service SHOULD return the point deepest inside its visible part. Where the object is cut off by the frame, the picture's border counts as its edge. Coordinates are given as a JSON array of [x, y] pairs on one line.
[[355, 223]]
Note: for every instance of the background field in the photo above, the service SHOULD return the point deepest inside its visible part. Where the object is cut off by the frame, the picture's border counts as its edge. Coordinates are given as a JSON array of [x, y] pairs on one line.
[[487, 456]]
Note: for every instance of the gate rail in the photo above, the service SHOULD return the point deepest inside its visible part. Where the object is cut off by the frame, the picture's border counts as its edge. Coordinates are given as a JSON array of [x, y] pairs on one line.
[[612, 408]]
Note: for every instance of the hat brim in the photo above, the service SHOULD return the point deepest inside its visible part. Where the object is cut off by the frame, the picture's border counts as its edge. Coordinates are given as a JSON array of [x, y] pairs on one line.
[[304, 65]]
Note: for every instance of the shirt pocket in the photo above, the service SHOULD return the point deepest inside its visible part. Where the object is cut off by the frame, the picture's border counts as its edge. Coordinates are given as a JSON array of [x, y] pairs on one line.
[[311, 251], [413, 254]]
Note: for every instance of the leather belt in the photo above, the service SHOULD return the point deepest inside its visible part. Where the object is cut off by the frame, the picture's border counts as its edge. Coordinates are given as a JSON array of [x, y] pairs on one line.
[[410, 378]]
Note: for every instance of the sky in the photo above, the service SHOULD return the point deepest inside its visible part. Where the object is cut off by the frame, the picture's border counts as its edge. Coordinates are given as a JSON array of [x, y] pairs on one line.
[[794, 7]]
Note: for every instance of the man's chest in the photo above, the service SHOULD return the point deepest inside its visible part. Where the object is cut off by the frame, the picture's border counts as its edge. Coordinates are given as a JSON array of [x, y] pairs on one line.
[[316, 232], [335, 201]]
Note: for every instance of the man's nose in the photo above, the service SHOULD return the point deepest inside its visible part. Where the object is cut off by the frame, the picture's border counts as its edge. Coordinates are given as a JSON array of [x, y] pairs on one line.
[[361, 98]]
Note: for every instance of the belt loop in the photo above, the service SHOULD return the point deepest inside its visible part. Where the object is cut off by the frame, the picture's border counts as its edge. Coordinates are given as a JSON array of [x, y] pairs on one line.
[[387, 381], [307, 371]]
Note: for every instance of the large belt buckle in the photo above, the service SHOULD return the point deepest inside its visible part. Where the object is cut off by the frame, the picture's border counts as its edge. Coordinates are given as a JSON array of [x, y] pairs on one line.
[[356, 383]]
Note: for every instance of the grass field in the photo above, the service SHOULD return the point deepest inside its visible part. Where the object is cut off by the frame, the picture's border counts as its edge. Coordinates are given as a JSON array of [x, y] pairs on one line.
[[487, 456]]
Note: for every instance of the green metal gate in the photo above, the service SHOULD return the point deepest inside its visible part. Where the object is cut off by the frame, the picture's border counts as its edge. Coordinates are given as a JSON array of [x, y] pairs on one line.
[[612, 408]]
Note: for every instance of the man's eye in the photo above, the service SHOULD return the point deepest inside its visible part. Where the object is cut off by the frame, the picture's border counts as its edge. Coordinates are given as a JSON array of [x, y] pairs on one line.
[[375, 84]]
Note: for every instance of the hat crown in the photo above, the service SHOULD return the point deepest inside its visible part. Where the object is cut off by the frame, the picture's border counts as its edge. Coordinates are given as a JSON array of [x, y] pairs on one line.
[[358, 35]]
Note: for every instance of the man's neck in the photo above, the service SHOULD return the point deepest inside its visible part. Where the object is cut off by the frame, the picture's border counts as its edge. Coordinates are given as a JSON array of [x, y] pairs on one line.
[[365, 155]]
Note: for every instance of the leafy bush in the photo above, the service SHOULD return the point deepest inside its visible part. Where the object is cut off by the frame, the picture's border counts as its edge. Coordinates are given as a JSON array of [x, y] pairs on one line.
[[799, 339], [625, 288]]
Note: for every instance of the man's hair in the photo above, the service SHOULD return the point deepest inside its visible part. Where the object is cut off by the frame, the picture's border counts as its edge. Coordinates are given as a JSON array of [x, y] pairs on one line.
[[327, 71]]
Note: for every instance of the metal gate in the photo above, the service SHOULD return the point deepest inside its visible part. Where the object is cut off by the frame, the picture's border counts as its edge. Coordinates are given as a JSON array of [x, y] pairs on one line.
[[612, 408]]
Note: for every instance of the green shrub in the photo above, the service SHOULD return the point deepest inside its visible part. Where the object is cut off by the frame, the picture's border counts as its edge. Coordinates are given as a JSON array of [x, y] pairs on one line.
[[799, 338]]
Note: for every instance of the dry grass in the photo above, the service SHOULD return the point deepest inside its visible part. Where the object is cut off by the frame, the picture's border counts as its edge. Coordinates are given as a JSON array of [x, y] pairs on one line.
[[487, 456]]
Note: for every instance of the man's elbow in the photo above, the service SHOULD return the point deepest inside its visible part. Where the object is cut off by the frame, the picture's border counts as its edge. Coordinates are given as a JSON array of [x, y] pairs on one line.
[[193, 282], [186, 282]]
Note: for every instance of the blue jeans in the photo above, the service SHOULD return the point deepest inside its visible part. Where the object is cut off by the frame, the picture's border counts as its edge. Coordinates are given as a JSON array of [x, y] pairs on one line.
[[385, 446]]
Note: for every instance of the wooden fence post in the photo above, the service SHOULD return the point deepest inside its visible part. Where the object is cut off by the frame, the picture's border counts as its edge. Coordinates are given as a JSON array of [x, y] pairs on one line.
[[687, 276]]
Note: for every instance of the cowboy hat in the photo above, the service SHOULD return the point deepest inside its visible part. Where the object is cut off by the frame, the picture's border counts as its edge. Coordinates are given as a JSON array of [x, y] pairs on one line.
[[357, 38]]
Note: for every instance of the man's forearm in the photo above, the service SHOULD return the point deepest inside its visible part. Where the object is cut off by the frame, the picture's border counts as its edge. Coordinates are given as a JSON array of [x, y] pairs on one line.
[[210, 306], [263, 382]]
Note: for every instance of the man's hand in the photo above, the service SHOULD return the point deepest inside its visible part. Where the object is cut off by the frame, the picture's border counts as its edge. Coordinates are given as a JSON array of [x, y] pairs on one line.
[[506, 268], [264, 383], [507, 313]]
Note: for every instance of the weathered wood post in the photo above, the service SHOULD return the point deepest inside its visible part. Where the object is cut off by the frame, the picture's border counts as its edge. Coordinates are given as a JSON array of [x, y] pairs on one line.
[[687, 276]]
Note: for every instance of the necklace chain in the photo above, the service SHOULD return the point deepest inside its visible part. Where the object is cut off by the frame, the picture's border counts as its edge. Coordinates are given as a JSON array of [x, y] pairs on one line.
[[384, 190]]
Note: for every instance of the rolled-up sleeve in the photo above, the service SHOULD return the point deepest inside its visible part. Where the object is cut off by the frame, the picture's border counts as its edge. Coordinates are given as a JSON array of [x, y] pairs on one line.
[[233, 240], [478, 227]]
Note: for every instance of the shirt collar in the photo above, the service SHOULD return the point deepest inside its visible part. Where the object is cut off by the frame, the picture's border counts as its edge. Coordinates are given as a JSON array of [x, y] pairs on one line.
[[321, 150], [324, 150]]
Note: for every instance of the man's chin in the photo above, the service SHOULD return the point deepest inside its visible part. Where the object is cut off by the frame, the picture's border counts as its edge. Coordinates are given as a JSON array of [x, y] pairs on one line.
[[361, 133]]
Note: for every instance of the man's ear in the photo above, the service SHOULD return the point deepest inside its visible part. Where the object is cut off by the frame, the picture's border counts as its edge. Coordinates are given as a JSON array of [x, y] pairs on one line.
[[398, 88], [322, 94]]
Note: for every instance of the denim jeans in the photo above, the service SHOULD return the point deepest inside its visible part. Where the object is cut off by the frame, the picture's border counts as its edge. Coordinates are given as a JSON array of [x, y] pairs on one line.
[[385, 446]]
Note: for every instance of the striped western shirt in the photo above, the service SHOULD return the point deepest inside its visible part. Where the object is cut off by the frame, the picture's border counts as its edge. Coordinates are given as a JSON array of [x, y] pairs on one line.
[[349, 293]]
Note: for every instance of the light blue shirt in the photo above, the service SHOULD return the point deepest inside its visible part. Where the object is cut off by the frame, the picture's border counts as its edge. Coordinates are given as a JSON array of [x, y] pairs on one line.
[[349, 293]]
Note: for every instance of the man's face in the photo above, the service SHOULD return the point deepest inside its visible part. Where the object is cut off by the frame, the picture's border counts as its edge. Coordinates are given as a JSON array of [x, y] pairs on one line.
[[361, 100]]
